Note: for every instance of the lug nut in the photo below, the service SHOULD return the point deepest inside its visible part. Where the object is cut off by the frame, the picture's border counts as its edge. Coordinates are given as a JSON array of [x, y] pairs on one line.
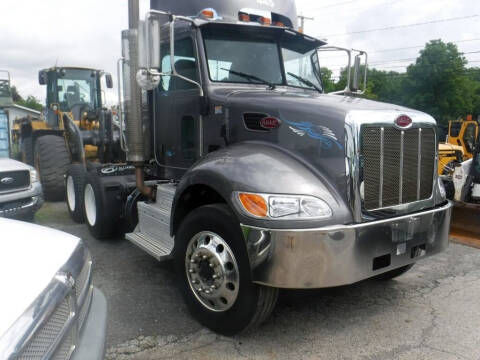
[[194, 282], [213, 287], [191, 271], [207, 292], [214, 277], [199, 289], [192, 261], [212, 265], [204, 257]]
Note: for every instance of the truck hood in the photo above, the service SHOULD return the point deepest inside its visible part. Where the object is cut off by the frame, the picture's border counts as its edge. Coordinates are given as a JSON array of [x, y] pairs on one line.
[[12, 165], [312, 124], [30, 256]]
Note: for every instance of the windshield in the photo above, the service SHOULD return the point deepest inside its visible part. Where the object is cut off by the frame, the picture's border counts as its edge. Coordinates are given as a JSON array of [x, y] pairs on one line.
[[270, 61], [77, 87]]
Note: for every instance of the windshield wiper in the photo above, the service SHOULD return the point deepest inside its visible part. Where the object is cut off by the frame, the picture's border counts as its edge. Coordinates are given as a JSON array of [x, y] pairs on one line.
[[305, 81], [251, 77]]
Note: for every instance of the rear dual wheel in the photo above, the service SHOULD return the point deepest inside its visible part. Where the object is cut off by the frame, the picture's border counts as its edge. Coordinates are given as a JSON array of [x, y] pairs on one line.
[[215, 278], [101, 213], [74, 186]]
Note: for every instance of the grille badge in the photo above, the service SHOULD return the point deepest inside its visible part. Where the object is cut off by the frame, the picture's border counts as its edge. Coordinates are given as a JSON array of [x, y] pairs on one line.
[[7, 181], [403, 121], [270, 122]]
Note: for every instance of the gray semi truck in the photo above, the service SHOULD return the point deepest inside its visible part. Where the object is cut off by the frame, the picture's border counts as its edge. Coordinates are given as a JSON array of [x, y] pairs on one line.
[[245, 172]]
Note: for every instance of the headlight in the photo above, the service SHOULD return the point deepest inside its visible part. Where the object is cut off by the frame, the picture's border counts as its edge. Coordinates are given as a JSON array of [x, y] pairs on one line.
[[441, 188], [33, 176], [284, 207]]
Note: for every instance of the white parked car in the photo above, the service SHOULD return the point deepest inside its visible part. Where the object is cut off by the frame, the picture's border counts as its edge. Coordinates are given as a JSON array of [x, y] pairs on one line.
[[49, 308], [20, 190]]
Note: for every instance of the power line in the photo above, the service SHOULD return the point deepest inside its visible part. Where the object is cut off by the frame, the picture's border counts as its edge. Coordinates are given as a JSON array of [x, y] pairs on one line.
[[410, 59], [421, 46], [405, 25], [335, 5]]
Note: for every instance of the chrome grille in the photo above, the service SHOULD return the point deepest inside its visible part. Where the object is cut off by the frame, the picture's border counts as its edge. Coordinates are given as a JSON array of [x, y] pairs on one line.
[[397, 165], [14, 180], [48, 333], [65, 349], [82, 278]]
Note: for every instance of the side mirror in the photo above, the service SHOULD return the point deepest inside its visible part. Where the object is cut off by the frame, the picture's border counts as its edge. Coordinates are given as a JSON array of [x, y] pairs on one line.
[[109, 81], [42, 77], [149, 56], [356, 74], [149, 36]]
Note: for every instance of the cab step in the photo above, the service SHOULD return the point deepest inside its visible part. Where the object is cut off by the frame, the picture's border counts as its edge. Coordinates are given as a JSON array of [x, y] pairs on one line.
[[152, 233]]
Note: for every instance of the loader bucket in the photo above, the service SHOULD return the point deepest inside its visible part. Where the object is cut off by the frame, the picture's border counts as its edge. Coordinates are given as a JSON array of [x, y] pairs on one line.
[[465, 227]]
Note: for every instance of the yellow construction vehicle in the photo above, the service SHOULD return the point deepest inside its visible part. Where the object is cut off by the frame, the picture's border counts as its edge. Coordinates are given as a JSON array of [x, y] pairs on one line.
[[448, 156], [464, 133], [75, 126]]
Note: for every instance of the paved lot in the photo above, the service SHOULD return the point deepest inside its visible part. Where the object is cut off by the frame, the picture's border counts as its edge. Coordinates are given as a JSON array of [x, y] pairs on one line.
[[432, 312]]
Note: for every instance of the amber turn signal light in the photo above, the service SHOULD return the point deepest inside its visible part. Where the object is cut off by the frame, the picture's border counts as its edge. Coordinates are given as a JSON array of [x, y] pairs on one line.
[[254, 204]]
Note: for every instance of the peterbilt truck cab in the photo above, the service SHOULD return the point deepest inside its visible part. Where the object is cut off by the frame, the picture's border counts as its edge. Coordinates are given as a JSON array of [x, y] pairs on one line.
[[250, 176]]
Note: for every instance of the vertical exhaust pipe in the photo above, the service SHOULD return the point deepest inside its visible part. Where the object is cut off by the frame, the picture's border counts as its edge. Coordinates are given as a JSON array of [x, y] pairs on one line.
[[134, 127]]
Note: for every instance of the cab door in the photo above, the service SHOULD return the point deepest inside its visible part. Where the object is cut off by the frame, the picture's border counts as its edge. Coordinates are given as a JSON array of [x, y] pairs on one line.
[[178, 108]]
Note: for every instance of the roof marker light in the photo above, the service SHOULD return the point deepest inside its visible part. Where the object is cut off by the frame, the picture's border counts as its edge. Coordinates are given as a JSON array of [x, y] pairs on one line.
[[208, 13], [244, 17]]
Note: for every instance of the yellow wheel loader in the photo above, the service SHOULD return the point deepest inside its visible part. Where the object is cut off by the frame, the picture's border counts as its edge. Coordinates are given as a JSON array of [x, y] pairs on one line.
[[75, 127], [466, 214]]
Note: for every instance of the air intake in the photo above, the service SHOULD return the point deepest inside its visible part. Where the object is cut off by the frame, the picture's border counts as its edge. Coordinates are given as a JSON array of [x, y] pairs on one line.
[[253, 122]]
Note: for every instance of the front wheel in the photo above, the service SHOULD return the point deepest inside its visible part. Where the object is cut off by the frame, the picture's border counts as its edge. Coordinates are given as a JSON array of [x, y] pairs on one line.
[[215, 278]]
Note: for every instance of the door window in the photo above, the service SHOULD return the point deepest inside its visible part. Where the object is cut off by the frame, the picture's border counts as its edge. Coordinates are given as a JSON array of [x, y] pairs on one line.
[[185, 64], [469, 137]]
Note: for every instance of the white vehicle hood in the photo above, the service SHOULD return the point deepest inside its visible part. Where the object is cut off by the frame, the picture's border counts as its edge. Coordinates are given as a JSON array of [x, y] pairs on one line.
[[30, 256], [12, 165]]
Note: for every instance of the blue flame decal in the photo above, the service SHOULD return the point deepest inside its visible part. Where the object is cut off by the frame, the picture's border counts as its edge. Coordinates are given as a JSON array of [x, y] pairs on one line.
[[318, 132]]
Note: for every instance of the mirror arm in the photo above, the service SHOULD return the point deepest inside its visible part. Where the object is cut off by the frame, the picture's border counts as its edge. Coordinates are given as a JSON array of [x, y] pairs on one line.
[[120, 64]]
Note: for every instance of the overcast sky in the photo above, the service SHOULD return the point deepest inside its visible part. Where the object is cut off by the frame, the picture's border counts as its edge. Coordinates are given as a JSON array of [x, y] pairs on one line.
[[37, 34]]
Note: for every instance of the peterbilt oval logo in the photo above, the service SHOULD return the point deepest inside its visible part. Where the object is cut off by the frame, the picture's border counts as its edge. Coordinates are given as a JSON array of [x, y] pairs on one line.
[[403, 121], [7, 181], [270, 123]]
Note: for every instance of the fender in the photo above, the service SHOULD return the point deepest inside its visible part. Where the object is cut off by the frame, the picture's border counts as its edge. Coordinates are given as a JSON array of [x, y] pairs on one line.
[[261, 167]]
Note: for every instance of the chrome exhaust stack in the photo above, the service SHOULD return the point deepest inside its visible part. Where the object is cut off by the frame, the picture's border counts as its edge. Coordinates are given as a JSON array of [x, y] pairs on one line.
[[132, 99]]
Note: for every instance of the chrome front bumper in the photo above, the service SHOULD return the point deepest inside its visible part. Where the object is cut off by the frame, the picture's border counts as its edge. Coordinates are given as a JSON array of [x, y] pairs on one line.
[[21, 202], [344, 254]]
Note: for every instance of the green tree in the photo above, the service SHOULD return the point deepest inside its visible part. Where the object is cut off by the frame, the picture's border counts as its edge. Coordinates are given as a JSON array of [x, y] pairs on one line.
[[327, 80], [439, 83], [30, 102]]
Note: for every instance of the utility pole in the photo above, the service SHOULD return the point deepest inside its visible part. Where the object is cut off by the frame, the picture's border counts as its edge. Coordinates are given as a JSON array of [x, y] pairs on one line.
[[302, 22]]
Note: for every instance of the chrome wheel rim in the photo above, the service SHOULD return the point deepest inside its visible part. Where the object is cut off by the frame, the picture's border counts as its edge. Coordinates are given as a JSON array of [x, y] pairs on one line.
[[70, 193], [212, 271], [90, 205]]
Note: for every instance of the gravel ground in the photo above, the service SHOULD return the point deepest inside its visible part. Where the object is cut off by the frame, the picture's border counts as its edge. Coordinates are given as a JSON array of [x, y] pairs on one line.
[[432, 312]]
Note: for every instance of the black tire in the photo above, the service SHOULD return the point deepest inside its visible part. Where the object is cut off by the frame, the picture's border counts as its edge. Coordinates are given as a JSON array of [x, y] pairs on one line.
[[389, 275], [27, 150], [52, 161], [74, 185], [253, 304], [101, 215]]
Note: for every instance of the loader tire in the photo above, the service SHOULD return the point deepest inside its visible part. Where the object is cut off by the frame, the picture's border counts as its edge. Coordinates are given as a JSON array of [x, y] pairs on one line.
[[214, 272], [52, 161], [27, 150], [75, 183]]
